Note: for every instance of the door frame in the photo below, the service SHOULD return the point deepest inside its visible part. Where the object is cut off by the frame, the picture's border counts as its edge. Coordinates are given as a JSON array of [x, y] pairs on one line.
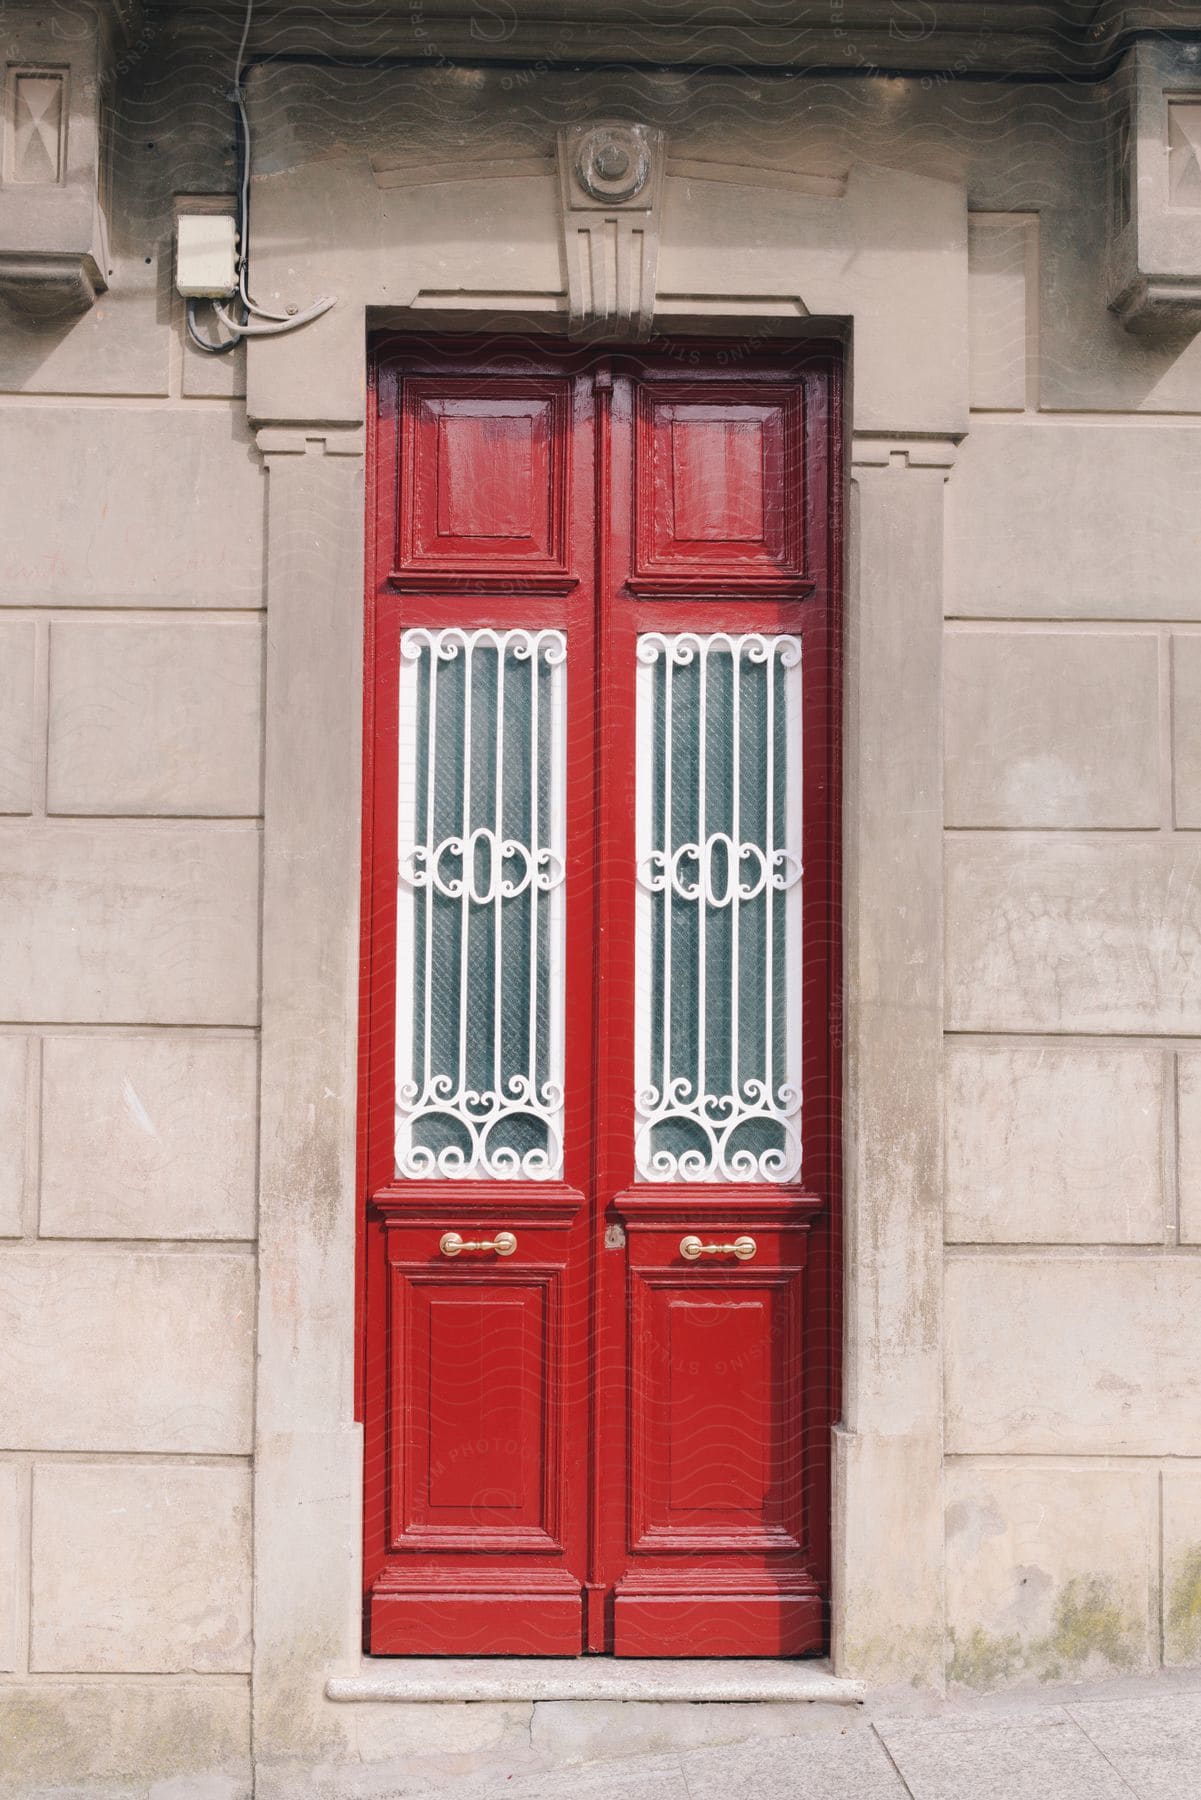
[[888, 1606], [822, 360]]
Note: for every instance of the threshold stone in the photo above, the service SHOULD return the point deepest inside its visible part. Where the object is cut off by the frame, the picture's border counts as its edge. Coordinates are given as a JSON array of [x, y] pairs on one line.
[[592, 1678]]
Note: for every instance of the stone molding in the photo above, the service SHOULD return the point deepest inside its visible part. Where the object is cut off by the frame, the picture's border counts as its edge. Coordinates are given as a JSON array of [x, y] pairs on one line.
[[943, 38], [303, 440], [875, 451]]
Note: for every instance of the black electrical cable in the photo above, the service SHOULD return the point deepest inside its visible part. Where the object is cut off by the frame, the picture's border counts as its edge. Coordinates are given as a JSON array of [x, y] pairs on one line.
[[203, 343]]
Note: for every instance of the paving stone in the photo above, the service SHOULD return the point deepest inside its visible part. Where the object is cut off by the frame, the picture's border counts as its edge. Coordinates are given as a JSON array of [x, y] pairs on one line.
[[638, 1778], [847, 1764], [1042, 1755], [1155, 1745]]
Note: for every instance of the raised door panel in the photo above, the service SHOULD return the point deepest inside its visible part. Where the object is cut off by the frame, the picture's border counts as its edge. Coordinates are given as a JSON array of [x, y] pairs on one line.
[[716, 1360], [484, 473], [477, 1370], [719, 1558], [718, 490], [480, 1503]]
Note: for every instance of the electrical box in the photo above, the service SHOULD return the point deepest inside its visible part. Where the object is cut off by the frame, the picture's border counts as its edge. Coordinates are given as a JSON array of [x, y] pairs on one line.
[[206, 257]]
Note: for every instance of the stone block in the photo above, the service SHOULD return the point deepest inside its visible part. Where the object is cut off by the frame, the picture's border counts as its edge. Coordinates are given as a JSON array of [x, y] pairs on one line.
[[1182, 1566], [1052, 728], [1188, 1164], [1001, 271], [1051, 933], [1123, 497], [207, 377], [471, 1740], [1186, 729], [119, 348], [885, 1629], [1054, 1144], [114, 923], [140, 1568], [148, 1136], [13, 1054], [16, 717], [1073, 1355], [125, 1740], [12, 1487], [158, 506], [565, 1732], [114, 1350], [1051, 1572], [155, 718]]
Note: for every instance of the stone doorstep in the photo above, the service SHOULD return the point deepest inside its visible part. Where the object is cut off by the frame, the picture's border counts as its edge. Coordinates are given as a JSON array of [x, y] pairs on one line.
[[593, 1678]]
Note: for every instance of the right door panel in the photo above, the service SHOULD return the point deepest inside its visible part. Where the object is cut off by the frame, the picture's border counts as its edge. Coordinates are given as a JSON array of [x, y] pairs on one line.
[[718, 1008]]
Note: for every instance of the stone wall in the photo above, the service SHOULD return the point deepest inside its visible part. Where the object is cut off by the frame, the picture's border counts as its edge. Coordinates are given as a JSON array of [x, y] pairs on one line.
[[132, 551], [1073, 1002], [131, 676]]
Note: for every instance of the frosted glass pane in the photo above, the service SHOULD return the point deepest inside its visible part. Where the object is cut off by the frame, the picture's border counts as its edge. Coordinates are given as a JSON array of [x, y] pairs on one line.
[[479, 966], [718, 936]]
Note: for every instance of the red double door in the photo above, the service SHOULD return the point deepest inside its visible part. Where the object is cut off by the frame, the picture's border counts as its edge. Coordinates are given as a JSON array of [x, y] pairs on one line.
[[600, 1050]]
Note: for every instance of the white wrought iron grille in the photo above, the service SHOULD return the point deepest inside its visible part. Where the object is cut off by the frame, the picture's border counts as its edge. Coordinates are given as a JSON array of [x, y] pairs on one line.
[[718, 934], [479, 965]]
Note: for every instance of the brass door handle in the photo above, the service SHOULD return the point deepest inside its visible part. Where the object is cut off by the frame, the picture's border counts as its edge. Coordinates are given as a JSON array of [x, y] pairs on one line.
[[742, 1247], [451, 1244]]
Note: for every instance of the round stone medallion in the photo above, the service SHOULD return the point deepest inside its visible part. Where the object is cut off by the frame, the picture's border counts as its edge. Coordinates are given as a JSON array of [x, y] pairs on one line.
[[613, 163]]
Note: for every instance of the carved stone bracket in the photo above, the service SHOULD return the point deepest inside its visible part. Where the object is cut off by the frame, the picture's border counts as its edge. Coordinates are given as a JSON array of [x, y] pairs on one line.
[[611, 180], [1155, 190], [53, 250]]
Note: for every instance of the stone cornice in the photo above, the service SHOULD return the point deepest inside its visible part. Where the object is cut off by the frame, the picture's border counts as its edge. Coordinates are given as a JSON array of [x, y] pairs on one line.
[[946, 39]]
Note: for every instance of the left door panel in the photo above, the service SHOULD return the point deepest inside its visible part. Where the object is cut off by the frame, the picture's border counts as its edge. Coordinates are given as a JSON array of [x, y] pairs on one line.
[[478, 1348], [476, 1093]]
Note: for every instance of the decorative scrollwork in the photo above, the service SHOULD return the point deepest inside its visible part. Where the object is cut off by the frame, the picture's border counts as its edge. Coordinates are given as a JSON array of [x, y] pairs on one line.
[[718, 1095], [480, 905]]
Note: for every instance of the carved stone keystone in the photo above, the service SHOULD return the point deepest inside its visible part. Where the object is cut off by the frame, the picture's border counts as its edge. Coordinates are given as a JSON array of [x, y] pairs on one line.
[[611, 180]]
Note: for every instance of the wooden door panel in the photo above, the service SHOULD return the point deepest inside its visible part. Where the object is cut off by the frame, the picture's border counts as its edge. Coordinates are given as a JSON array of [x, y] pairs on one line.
[[478, 1490], [718, 482], [485, 474], [718, 1561], [716, 1361], [475, 1385], [699, 1618], [473, 1612]]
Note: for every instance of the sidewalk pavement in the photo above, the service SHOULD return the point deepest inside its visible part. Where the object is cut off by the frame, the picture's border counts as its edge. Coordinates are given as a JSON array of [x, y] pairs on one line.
[[1131, 1740]]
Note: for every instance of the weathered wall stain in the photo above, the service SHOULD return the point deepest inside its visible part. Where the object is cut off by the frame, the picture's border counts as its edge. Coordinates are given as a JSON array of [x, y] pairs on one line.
[[1089, 1627], [1183, 1632]]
